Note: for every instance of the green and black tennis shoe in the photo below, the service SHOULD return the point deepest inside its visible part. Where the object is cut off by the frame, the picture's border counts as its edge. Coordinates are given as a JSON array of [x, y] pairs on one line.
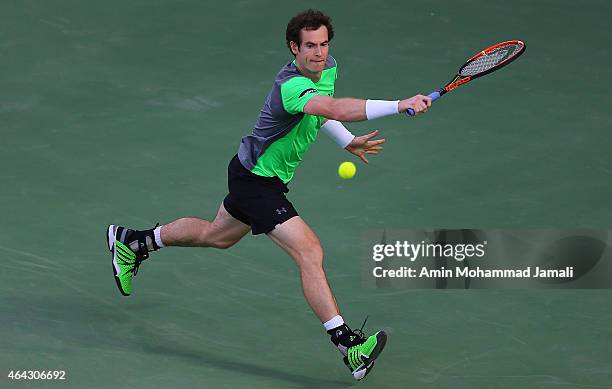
[[128, 250], [361, 356]]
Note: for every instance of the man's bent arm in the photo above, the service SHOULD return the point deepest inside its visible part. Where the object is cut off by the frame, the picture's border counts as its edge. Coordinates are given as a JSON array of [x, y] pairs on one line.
[[349, 109]]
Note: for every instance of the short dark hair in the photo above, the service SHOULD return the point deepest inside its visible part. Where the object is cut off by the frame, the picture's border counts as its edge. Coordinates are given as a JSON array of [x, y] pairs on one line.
[[310, 19]]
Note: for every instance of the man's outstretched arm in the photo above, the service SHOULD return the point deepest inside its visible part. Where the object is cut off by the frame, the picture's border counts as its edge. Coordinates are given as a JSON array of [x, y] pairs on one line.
[[349, 109]]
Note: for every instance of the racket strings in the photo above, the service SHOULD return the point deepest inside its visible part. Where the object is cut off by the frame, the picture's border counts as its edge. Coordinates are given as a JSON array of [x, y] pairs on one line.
[[489, 60]]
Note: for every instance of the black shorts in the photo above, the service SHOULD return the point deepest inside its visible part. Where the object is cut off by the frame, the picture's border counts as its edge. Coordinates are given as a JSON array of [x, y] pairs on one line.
[[255, 200]]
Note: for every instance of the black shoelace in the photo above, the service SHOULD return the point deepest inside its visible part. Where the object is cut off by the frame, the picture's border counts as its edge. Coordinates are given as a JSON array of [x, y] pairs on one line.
[[359, 333], [141, 255]]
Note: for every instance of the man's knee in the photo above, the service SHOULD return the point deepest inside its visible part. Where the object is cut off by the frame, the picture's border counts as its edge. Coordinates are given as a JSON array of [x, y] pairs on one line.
[[311, 255], [218, 241], [222, 243]]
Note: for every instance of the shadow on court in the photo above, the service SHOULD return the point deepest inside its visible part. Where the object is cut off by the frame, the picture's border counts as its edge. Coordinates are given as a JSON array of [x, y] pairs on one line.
[[201, 357], [85, 324]]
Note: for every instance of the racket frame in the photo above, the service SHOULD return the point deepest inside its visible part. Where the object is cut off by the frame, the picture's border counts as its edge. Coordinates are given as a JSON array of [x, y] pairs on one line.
[[460, 80]]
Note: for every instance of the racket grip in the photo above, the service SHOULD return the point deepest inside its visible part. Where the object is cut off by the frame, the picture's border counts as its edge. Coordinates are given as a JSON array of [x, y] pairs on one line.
[[434, 96]]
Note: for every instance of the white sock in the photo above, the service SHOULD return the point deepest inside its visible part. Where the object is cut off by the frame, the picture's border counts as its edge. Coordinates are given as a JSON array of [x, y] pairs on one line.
[[334, 322], [158, 241]]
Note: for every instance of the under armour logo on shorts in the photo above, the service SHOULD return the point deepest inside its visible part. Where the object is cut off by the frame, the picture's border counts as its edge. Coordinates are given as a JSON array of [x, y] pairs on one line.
[[281, 210]]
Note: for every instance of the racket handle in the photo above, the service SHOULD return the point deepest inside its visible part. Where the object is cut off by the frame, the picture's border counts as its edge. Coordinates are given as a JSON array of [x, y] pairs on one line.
[[434, 96]]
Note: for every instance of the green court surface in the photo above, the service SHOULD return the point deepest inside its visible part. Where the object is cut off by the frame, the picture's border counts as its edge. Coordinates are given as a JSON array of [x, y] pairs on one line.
[[128, 112]]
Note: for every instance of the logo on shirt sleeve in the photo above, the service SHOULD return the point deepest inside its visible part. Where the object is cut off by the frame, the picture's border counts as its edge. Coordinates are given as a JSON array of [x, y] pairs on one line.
[[309, 90]]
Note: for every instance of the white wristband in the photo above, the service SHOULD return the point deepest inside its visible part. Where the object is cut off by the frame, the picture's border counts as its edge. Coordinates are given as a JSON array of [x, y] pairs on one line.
[[340, 134], [379, 108]]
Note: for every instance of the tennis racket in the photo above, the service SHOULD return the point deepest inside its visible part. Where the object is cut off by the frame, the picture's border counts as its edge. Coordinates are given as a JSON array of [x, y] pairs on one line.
[[485, 62]]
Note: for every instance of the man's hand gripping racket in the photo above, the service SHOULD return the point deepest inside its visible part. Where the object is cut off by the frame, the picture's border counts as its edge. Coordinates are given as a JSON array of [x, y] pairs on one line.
[[485, 62]]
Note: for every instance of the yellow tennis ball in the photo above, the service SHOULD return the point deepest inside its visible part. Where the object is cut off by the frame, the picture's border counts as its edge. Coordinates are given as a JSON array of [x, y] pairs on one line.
[[347, 170]]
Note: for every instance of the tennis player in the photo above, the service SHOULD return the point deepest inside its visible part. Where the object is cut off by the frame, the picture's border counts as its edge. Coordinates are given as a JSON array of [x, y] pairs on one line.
[[300, 104]]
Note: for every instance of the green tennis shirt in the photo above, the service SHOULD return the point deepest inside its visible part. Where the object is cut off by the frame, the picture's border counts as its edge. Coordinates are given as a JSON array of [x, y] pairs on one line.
[[283, 133]]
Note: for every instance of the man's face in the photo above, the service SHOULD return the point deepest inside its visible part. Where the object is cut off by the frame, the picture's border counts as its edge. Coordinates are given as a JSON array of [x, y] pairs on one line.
[[313, 51]]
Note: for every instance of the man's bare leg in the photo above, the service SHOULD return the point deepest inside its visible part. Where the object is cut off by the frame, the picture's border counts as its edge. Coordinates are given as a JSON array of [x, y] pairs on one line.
[[297, 239], [223, 232], [129, 247]]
